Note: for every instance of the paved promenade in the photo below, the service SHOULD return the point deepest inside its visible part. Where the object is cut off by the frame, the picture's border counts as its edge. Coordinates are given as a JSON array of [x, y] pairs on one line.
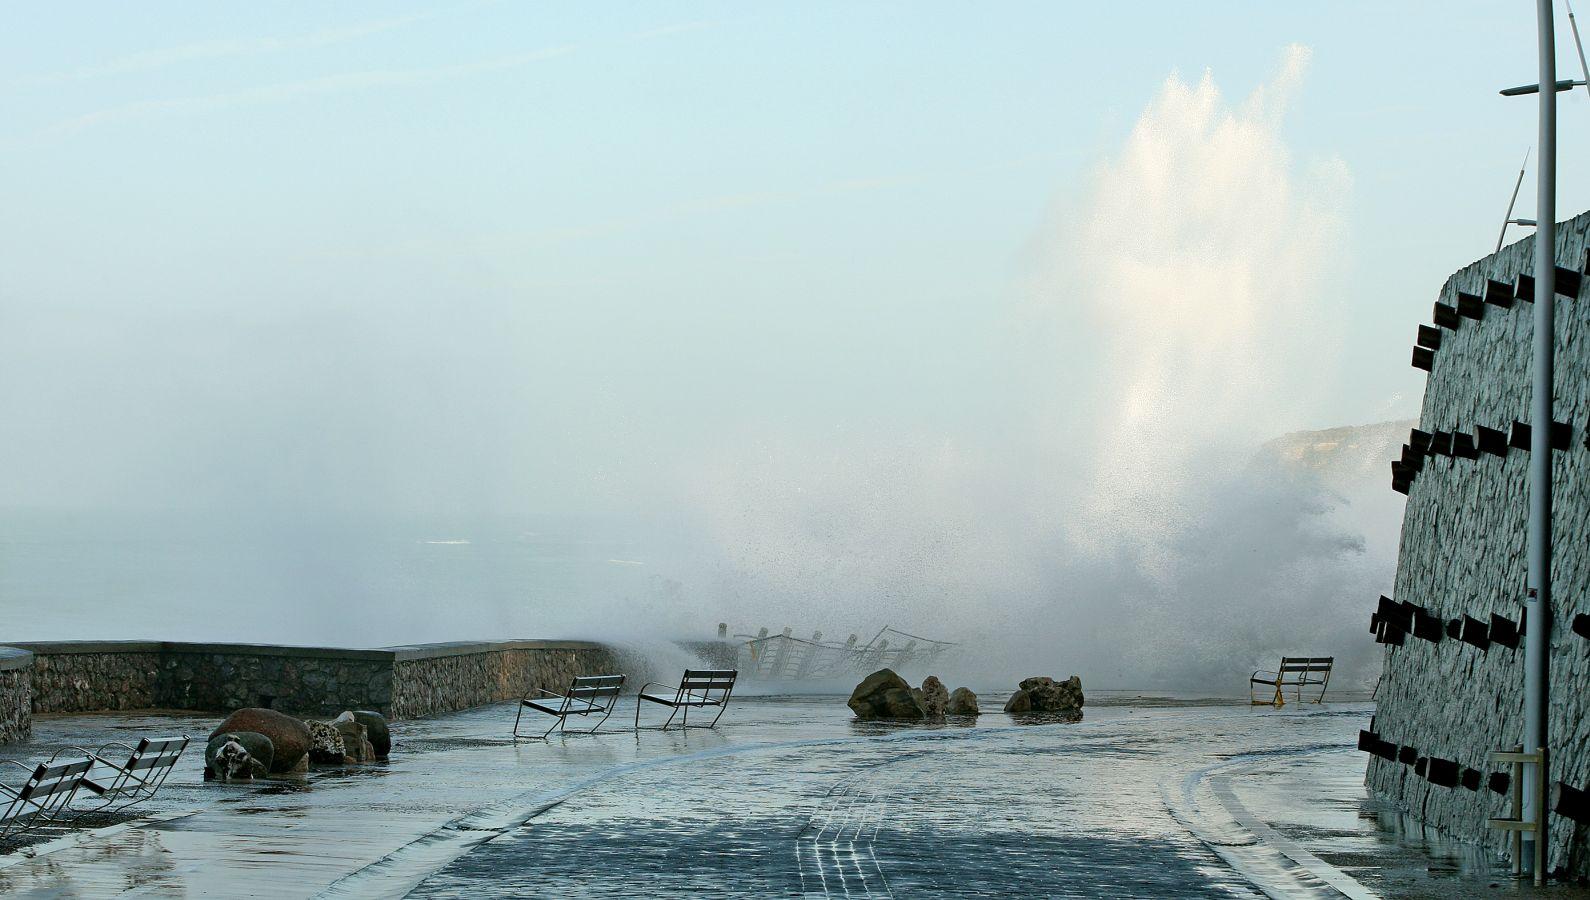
[[789, 798]]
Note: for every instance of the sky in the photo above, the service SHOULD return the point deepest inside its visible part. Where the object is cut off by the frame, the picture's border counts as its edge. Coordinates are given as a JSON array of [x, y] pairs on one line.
[[645, 227], [937, 311]]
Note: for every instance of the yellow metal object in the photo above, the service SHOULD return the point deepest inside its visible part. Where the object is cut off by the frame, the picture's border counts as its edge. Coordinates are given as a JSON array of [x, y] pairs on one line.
[[1517, 824]]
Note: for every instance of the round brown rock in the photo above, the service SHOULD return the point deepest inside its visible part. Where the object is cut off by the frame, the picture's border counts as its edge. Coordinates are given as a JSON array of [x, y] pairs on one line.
[[289, 737], [884, 695]]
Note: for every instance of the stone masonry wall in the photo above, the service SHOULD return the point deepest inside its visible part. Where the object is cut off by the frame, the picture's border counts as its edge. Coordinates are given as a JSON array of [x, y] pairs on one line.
[[1463, 553], [89, 682], [402, 682], [425, 684], [302, 684], [16, 695]]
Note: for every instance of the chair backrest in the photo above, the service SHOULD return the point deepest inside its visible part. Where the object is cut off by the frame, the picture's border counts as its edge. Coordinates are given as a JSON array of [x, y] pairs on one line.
[[46, 792], [707, 682], [157, 753], [594, 689]]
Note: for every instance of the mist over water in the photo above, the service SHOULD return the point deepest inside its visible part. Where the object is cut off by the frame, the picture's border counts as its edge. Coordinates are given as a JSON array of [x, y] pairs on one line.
[[337, 457], [1128, 526]]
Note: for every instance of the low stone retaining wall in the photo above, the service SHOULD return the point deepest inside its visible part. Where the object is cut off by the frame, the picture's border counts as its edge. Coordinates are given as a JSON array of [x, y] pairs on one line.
[[302, 680], [83, 676], [441, 677], [399, 682], [16, 692]]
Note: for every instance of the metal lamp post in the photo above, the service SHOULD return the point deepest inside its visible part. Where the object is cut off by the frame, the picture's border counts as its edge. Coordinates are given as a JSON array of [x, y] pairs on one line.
[[1537, 603]]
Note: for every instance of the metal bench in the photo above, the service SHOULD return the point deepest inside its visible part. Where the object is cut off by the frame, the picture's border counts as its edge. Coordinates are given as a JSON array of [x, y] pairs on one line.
[[46, 793], [121, 784], [698, 688], [588, 695], [1294, 672]]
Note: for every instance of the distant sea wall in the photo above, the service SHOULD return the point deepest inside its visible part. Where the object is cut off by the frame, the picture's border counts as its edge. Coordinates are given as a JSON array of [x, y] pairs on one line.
[[1453, 694], [400, 682]]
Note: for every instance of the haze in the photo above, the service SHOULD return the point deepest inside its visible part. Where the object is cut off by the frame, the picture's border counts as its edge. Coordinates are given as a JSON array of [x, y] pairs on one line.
[[832, 316]]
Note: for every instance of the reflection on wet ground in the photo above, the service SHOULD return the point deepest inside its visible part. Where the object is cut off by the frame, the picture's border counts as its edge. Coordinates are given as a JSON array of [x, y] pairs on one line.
[[789, 798]]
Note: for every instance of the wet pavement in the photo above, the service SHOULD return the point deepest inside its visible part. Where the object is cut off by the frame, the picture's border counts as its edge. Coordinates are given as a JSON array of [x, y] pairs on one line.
[[789, 797]]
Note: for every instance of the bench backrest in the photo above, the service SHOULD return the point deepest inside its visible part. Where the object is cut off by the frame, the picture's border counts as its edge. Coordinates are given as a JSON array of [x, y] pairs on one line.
[[1306, 664], [709, 682], [594, 689]]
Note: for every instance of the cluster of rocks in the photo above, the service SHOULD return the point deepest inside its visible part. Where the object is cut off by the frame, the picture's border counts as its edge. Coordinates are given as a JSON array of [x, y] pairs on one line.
[[256, 742], [885, 695], [1045, 695]]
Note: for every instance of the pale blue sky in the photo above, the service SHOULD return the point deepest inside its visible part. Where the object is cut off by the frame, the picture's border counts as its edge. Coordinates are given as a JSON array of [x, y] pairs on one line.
[[556, 247]]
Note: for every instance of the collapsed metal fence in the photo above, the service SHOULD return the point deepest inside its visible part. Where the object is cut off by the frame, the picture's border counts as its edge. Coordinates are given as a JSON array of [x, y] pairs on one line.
[[774, 657]]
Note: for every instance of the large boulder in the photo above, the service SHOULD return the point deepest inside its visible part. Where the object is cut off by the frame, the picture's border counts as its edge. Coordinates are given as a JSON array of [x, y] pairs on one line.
[[962, 702], [325, 743], [376, 730], [1049, 695], [885, 695], [934, 697], [1045, 695], [289, 737], [355, 738], [238, 756]]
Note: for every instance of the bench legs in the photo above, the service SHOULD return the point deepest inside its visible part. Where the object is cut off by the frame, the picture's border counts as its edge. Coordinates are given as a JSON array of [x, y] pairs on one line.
[[684, 720], [556, 721], [560, 722], [563, 720]]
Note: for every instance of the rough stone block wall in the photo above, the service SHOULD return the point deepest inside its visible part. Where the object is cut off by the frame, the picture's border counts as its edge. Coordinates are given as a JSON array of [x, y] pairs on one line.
[[16, 704], [303, 684], [401, 683], [90, 682], [1463, 553], [425, 685]]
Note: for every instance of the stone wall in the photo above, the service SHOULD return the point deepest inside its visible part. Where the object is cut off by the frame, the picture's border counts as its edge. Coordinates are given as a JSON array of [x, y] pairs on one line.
[[442, 677], [305, 681], [1463, 553], [88, 676], [16, 695], [399, 682]]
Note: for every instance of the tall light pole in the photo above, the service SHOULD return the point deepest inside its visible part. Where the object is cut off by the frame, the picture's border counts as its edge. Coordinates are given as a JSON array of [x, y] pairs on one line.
[[1537, 604]]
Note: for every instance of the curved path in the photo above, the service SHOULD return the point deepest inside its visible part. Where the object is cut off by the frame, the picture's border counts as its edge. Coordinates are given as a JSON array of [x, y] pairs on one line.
[[791, 798], [1045, 810]]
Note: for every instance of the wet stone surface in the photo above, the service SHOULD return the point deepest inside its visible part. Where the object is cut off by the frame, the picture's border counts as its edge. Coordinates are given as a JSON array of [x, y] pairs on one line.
[[789, 798]]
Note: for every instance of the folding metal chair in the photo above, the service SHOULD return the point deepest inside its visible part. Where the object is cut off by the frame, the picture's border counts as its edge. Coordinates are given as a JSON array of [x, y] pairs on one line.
[[121, 784], [588, 695], [698, 688], [46, 793]]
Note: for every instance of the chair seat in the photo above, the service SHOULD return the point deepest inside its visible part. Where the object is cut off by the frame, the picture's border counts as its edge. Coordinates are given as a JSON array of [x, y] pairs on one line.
[[1260, 681], [554, 706], [673, 700]]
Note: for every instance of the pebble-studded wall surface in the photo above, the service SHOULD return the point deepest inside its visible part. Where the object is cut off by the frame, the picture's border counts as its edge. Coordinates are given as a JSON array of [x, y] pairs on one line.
[[1453, 693]]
